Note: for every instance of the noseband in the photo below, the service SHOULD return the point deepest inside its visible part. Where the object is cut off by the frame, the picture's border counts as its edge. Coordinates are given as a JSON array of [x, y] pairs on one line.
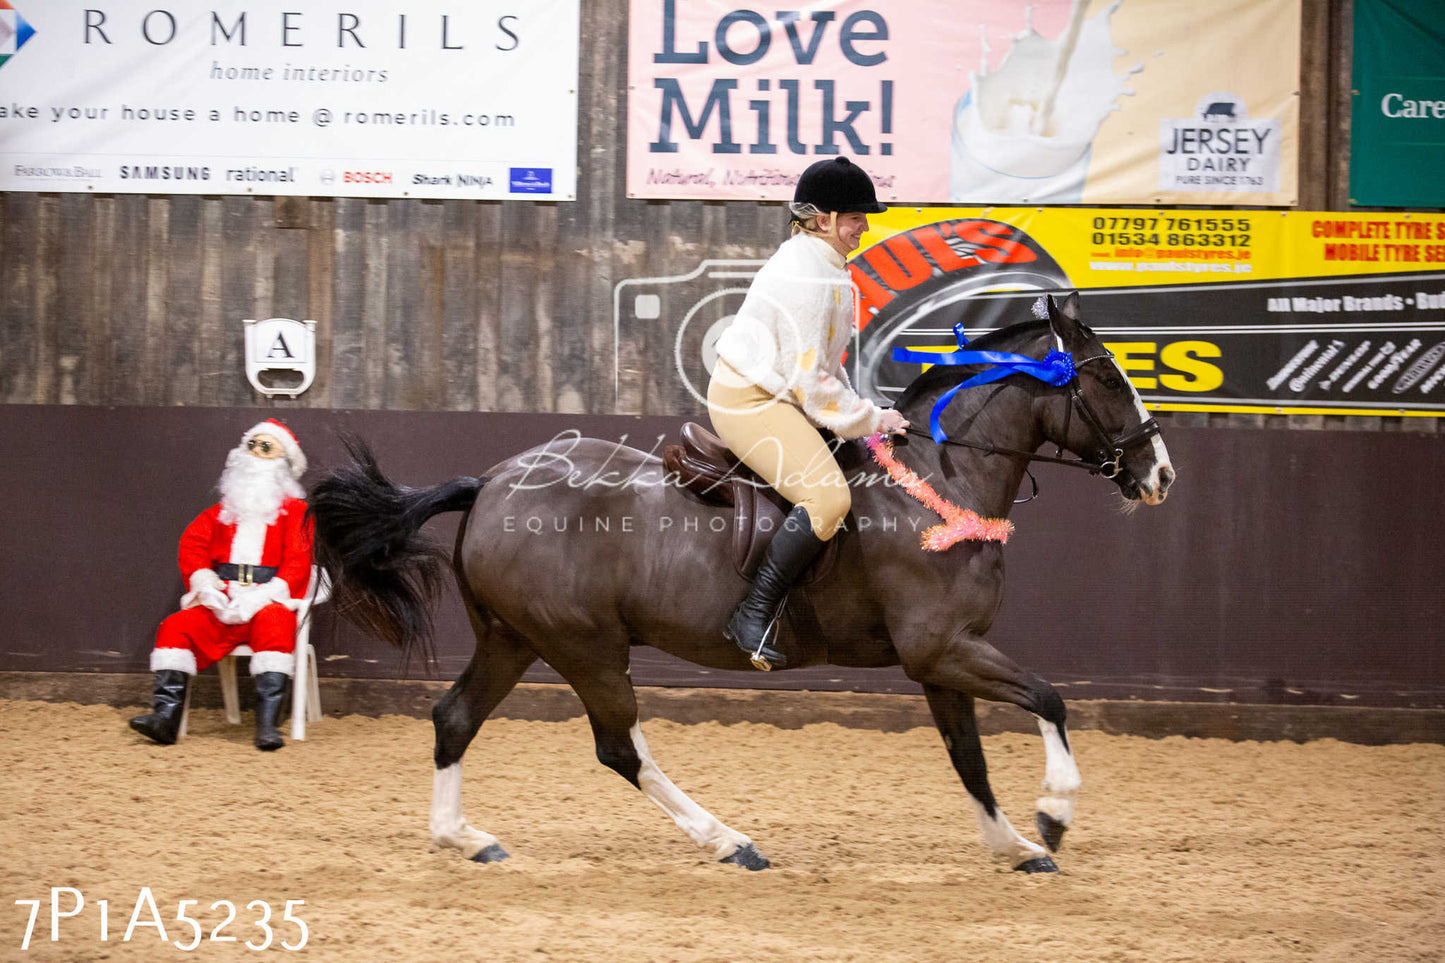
[[1108, 466]]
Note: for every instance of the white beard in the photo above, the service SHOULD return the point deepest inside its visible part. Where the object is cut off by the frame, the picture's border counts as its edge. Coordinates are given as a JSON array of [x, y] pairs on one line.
[[252, 489]]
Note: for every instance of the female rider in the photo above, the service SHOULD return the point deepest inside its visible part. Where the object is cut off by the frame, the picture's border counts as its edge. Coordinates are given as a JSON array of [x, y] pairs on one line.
[[779, 377]]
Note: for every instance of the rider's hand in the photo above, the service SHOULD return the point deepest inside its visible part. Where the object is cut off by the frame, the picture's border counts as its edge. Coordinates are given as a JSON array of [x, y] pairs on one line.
[[893, 422]]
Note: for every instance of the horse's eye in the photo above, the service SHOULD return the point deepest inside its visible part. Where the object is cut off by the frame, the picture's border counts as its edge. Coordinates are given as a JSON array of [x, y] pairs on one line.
[[1113, 383]]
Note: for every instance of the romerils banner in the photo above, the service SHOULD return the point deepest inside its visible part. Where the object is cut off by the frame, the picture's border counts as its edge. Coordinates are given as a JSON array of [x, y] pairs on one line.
[[984, 101], [370, 98], [1280, 312], [1397, 122]]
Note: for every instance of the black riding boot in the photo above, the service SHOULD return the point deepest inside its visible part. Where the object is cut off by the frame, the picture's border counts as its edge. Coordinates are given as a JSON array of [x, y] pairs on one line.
[[752, 622], [270, 693], [164, 722]]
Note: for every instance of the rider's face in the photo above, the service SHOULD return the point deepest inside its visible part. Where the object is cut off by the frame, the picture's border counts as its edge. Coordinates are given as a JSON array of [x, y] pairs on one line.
[[849, 233]]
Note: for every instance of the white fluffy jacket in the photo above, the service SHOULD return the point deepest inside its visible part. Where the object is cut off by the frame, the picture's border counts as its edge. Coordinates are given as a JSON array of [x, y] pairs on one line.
[[790, 334]]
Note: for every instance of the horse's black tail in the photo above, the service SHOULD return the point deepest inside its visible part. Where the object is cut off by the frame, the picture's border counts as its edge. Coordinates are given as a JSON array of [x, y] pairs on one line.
[[384, 574]]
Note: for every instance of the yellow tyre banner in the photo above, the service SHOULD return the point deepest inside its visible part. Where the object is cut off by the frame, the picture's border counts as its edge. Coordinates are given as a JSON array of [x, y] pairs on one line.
[[1206, 310]]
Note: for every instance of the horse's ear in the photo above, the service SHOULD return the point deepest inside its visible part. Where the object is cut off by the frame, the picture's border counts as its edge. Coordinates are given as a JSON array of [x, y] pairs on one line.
[[1064, 320]]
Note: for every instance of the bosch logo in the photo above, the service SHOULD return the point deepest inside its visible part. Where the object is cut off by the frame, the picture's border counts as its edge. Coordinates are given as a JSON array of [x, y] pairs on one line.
[[328, 177], [366, 177]]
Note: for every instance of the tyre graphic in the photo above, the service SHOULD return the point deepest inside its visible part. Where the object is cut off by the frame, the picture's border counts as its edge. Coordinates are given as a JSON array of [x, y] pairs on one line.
[[916, 285]]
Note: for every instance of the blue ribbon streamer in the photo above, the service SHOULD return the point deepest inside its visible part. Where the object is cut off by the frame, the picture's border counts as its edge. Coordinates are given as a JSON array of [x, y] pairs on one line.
[[1056, 369]]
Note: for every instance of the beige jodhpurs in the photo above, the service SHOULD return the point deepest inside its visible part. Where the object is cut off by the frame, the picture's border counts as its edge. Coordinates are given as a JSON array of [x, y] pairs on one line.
[[776, 440]]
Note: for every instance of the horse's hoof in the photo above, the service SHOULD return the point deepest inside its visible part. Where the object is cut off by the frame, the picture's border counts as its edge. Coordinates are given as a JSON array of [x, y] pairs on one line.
[[1041, 865], [748, 858], [492, 854], [1051, 830]]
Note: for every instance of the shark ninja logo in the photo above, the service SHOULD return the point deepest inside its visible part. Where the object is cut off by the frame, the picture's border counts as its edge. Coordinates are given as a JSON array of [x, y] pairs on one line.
[[14, 31]]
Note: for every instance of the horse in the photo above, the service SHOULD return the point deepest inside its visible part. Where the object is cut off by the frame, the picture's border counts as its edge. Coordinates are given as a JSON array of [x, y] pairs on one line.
[[581, 597]]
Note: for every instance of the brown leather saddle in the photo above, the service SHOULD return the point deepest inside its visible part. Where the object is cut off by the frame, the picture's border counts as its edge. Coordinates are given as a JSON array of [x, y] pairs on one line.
[[711, 474]]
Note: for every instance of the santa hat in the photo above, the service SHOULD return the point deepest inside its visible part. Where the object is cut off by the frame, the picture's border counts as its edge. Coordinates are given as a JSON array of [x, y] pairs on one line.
[[295, 459]]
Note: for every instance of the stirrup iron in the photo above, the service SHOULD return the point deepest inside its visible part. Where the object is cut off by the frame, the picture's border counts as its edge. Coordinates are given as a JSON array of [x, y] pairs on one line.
[[760, 663]]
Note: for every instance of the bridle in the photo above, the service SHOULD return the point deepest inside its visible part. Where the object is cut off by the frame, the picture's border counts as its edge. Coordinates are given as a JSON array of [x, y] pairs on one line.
[[1111, 447]]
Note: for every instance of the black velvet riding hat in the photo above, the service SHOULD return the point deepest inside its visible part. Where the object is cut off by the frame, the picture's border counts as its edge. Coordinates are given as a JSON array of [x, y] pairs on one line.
[[838, 185]]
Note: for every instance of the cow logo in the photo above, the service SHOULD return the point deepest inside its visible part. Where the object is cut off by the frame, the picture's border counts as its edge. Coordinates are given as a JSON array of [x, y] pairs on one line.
[[14, 32], [1221, 107]]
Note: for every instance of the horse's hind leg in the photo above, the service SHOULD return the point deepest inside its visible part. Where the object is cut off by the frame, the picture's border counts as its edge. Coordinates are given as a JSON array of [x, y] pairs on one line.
[[611, 707], [500, 659], [953, 713]]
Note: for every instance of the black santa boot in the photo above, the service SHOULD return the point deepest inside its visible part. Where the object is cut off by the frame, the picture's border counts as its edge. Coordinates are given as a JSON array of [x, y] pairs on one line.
[[270, 693], [789, 553], [164, 721]]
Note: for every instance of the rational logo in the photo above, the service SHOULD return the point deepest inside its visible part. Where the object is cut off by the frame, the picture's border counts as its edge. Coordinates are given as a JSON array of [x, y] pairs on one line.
[[528, 180], [14, 32]]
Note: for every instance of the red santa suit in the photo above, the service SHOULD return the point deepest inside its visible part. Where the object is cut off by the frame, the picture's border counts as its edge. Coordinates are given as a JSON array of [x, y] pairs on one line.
[[195, 637]]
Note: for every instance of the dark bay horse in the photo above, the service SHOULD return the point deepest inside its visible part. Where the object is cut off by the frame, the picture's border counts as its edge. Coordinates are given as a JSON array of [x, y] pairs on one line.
[[563, 556]]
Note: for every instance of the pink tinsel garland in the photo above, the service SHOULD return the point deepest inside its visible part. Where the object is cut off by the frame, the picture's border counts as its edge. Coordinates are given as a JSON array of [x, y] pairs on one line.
[[959, 523]]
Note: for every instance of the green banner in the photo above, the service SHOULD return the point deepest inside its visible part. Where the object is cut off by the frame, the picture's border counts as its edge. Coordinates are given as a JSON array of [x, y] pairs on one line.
[[1397, 134]]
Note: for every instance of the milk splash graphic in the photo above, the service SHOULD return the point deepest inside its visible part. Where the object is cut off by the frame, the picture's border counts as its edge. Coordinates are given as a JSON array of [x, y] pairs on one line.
[[1024, 132]]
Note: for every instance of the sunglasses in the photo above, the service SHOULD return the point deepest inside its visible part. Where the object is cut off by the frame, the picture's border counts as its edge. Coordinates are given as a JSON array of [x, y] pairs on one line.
[[265, 446]]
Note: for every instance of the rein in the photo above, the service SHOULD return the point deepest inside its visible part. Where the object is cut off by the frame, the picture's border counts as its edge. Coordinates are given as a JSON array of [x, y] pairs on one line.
[[1093, 468]]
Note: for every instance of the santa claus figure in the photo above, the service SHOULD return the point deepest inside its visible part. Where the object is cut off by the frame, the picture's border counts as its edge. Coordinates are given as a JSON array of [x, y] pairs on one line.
[[247, 562]]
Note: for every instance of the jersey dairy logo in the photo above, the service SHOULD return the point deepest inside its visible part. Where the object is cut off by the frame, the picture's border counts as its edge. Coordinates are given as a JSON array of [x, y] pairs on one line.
[[1219, 149], [14, 32]]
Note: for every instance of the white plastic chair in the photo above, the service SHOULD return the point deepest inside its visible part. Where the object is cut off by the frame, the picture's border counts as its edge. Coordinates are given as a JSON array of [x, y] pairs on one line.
[[305, 689]]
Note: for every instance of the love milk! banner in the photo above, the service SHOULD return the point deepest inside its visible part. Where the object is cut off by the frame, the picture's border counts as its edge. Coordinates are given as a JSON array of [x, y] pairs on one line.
[[369, 98], [1206, 310], [990, 101]]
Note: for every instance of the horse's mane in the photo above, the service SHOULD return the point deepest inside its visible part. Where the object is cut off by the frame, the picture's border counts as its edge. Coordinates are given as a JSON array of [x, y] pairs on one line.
[[1010, 338], [945, 376]]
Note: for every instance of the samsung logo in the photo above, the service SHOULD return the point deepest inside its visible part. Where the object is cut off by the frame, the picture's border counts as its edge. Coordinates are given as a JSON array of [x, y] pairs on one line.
[[162, 172]]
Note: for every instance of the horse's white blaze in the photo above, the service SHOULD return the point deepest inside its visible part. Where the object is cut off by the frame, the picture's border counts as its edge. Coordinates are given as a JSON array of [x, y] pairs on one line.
[[448, 826], [700, 825], [1061, 776], [1002, 839], [1150, 485]]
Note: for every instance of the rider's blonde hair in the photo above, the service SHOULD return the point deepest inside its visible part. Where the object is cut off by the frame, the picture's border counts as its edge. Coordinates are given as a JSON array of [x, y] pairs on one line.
[[805, 220]]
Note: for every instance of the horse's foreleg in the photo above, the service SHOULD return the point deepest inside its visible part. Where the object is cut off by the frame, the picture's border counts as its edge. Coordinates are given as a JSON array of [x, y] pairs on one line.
[[953, 713], [1061, 783], [495, 669], [611, 707], [968, 664]]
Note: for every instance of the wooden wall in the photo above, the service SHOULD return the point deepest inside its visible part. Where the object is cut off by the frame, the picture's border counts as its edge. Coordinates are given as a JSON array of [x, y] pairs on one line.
[[440, 305]]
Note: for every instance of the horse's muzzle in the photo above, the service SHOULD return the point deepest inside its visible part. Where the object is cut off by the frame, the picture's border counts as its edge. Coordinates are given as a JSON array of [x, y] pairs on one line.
[[1149, 492], [1155, 495]]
